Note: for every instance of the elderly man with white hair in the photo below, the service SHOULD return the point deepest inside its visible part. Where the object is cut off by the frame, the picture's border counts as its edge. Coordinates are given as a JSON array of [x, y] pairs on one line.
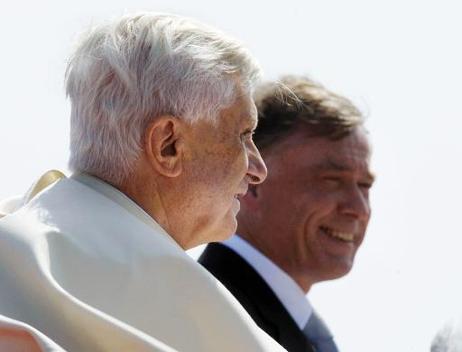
[[161, 150]]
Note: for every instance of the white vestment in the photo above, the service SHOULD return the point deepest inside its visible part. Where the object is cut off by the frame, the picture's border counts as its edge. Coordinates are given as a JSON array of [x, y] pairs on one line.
[[96, 273], [43, 342]]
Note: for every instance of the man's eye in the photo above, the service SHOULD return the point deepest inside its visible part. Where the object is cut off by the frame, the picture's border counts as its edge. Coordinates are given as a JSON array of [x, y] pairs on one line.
[[365, 185], [247, 135], [332, 181]]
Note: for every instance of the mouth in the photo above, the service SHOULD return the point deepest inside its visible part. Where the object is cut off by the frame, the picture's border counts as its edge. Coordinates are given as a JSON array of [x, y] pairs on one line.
[[241, 194], [339, 235]]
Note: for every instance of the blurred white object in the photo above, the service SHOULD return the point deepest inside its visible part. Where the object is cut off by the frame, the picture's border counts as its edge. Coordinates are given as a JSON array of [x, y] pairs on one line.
[[449, 338], [9, 205]]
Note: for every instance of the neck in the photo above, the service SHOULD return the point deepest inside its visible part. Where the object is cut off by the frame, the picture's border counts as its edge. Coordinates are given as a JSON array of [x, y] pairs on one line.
[[144, 191], [256, 241]]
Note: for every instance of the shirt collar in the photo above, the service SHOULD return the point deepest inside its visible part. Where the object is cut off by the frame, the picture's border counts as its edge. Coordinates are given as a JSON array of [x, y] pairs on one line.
[[284, 287]]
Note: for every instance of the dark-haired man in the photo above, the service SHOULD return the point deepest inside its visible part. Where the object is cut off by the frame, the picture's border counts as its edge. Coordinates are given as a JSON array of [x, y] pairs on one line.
[[304, 224]]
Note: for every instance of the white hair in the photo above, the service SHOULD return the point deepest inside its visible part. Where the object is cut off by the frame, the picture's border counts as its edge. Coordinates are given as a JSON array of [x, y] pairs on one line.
[[126, 73]]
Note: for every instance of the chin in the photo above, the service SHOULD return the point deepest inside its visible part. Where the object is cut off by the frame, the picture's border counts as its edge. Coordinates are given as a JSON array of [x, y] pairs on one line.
[[335, 269], [340, 270], [224, 231], [230, 230], [231, 225]]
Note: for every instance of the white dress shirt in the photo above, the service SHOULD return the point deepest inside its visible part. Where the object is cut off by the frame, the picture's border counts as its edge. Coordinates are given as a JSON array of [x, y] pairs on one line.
[[285, 288]]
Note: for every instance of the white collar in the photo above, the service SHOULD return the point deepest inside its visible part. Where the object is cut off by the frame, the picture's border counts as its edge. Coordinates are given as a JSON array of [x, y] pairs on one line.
[[284, 287], [121, 199]]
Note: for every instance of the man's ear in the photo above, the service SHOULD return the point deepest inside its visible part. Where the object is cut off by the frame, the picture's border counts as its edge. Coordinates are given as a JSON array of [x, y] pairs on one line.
[[164, 145]]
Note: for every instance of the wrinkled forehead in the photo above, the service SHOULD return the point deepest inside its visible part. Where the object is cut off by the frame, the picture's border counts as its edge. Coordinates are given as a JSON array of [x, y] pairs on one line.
[[302, 137], [349, 153], [356, 144], [241, 112]]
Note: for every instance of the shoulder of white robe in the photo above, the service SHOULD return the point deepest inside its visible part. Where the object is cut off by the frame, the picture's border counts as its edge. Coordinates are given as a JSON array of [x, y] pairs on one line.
[[10, 205]]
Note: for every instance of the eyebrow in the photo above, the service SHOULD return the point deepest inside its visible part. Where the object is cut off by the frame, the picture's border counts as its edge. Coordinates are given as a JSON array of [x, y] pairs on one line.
[[251, 121], [331, 165]]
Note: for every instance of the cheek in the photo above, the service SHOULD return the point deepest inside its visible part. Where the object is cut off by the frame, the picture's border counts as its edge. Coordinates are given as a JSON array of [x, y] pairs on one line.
[[222, 180], [215, 170], [234, 168], [281, 211], [308, 211], [320, 202]]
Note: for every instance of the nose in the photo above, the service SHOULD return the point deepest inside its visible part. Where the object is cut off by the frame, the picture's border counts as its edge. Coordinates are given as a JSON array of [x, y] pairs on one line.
[[256, 172], [356, 204]]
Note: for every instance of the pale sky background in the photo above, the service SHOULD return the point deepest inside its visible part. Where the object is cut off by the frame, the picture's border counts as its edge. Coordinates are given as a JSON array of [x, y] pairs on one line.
[[398, 60]]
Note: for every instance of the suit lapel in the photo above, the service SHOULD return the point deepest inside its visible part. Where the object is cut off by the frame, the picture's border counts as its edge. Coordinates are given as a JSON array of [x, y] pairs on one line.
[[255, 295]]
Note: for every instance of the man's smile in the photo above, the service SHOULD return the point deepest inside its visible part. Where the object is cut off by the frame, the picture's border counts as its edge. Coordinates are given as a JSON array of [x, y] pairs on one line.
[[343, 236]]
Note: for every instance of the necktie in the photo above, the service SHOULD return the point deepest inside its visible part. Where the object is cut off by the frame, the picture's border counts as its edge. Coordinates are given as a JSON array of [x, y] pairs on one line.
[[319, 335]]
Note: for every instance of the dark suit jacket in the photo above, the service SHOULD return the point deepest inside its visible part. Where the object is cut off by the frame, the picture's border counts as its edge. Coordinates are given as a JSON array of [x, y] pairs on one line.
[[255, 296]]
